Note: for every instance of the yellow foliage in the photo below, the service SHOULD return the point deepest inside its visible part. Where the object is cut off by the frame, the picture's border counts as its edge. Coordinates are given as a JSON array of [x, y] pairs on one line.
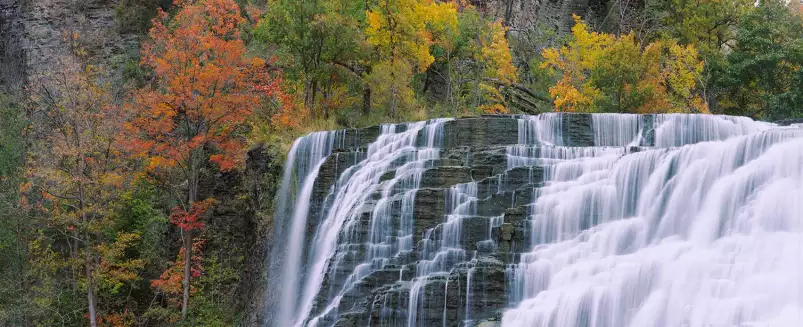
[[404, 30], [496, 54], [600, 72], [391, 85]]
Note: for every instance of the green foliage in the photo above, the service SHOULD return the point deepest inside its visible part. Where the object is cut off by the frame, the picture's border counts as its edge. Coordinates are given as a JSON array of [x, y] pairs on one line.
[[13, 222], [706, 24], [214, 293], [134, 16], [763, 77], [316, 43], [365, 63], [11, 142], [141, 213]]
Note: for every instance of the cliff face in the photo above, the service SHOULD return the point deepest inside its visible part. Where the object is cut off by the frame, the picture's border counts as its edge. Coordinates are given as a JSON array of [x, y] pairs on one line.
[[527, 16], [12, 68], [36, 35]]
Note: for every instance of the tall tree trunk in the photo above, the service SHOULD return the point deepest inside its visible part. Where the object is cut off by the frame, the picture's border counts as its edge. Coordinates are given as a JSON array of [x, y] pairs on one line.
[[449, 79], [392, 104], [192, 196], [90, 293], [326, 99], [307, 97], [313, 95], [366, 98], [90, 284], [508, 13], [185, 301]]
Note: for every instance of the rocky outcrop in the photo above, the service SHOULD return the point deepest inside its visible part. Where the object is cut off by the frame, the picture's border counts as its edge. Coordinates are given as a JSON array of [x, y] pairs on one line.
[[531, 16], [36, 35], [12, 61]]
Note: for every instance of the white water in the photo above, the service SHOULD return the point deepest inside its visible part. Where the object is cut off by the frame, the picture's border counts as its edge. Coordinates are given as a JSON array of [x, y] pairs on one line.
[[707, 234], [303, 162], [675, 220]]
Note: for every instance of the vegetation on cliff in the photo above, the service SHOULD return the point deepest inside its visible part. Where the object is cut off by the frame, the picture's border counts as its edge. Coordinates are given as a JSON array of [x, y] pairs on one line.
[[125, 203]]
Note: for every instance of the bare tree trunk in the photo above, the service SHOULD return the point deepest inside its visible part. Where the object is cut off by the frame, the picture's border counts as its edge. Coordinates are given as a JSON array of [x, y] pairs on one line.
[[508, 13], [185, 301], [90, 293], [326, 96], [192, 190], [366, 98], [307, 92], [90, 284], [313, 95], [449, 78], [393, 103]]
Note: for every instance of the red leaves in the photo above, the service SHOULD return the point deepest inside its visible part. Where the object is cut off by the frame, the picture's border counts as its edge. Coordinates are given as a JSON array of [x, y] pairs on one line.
[[170, 282], [287, 114], [191, 219]]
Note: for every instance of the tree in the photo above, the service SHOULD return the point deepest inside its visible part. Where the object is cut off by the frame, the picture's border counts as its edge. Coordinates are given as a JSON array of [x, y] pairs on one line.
[[401, 33], [201, 95], [708, 24], [317, 42], [14, 223], [763, 76], [498, 67], [601, 72], [74, 171]]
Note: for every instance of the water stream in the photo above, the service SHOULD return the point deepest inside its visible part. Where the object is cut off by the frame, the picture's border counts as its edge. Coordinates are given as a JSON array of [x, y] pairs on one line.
[[659, 220]]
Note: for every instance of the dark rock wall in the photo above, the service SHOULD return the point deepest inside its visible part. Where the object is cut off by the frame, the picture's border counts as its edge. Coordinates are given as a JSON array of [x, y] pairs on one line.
[[12, 61], [554, 14], [473, 149], [35, 36]]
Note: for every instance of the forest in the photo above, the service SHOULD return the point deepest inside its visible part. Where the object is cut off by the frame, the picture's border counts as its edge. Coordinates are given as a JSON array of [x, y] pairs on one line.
[[118, 183]]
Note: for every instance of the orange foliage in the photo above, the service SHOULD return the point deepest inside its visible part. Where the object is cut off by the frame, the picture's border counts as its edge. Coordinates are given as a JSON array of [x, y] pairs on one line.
[[122, 319], [204, 88], [170, 282], [288, 114]]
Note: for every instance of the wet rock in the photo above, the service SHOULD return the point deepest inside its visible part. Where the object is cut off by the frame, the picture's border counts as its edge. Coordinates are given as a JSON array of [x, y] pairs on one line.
[[577, 129], [515, 214], [443, 177], [480, 131]]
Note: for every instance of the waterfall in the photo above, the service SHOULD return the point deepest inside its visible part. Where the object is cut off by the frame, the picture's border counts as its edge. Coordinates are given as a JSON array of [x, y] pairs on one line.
[[706, 234], [600, 220], [300, 170]]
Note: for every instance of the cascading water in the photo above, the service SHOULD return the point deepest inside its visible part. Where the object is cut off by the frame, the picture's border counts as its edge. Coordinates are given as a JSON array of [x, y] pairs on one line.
[[574, 220], [707, 234]]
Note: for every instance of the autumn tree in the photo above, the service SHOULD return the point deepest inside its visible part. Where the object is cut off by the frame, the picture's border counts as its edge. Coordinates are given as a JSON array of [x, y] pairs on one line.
[[498, 69], [74, 173], [708, 25], [202, 92], [601, 72], [401, 34], [318, 43], [473, 65]]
